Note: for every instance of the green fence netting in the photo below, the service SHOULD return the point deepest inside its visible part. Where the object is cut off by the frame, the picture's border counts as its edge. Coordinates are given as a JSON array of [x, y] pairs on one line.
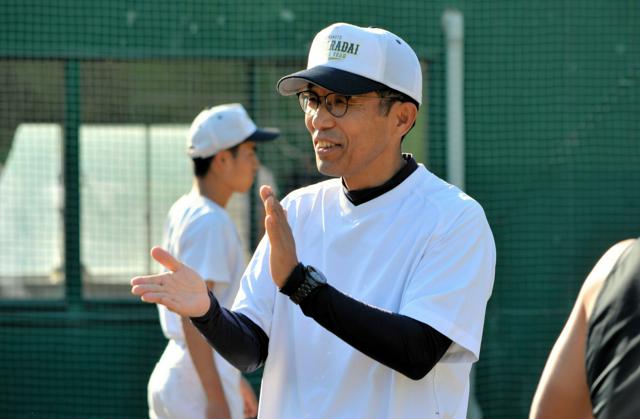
[[95, 101]]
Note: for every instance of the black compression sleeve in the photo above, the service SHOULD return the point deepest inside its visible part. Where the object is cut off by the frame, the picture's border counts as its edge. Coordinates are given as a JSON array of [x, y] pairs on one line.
[[399, 342], [239, 340]]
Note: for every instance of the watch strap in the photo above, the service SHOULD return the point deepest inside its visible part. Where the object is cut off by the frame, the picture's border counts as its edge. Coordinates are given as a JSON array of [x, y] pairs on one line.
[[295, 279], [312, 280], [301, 282]]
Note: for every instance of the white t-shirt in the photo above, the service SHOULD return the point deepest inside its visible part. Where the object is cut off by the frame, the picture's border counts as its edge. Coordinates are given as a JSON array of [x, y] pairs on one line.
[[424, 250], [202, 235]]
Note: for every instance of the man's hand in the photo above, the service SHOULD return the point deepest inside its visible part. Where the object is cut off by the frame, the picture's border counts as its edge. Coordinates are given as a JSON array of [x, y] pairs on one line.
[[181, 289], [283, 247]]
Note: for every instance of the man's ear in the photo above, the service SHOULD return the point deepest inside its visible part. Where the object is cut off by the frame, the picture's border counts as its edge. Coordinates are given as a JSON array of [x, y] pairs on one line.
[[405, 117]]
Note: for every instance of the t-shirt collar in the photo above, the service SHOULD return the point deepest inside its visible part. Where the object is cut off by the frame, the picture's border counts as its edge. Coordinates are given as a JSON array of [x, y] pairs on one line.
[[360, 196]]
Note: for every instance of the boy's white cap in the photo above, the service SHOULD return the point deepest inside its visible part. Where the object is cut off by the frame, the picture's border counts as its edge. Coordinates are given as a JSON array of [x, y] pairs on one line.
[[223, 127], [351, 60]]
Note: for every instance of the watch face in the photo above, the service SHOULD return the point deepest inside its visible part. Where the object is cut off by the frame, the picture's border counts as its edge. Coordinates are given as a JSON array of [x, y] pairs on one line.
[[312, 280], [316, 275]]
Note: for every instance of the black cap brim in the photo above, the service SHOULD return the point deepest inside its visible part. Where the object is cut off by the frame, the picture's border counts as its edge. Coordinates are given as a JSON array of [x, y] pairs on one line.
[[330, 78], [264, 134]]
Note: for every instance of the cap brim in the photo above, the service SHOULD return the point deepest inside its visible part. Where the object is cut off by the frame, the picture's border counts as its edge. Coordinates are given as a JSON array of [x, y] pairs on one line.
[[330, 78], [264, 134]]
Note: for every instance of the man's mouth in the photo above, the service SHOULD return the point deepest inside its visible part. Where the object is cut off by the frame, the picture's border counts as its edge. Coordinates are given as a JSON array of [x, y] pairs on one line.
[[325, 145]]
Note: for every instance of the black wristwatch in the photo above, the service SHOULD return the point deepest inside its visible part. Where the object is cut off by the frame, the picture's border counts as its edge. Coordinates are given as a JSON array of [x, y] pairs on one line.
[[312, 280]]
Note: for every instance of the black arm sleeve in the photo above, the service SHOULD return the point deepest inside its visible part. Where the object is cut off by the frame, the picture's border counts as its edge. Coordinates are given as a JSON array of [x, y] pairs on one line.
[[239, 340], [399, 342]]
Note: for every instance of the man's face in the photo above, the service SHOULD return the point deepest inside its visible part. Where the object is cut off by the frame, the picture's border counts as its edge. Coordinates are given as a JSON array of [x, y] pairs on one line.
[[244, 167], [355, 146]]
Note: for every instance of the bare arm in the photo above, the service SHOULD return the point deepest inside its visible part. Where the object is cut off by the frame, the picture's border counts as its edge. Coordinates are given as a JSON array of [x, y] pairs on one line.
[[204, 363], [249, 398], [183, 291], [562, 391]]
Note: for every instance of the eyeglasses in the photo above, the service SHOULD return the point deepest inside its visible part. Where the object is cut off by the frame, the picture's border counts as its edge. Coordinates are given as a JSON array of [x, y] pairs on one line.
[[335, 103]]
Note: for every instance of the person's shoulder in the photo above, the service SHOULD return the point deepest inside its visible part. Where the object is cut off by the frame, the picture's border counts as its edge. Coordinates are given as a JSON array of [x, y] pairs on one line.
[[313, 191], [598, 275], [194, 210], [179, 203], [447, 199]]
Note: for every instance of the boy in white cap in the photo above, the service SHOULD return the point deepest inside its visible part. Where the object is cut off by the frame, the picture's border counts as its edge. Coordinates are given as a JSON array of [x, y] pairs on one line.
[[367, 299], [190, 381]]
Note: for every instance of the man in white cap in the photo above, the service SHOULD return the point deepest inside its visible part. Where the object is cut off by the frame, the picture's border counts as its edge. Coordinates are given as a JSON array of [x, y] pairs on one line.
[[367, 298], [190, 381]]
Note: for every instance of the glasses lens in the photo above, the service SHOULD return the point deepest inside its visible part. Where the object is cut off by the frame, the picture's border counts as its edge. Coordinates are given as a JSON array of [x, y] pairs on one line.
[[336, 104], [308, 101]]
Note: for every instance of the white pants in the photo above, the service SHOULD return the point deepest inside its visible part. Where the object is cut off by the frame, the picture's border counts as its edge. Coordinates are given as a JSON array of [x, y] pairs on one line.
[[175, 390]]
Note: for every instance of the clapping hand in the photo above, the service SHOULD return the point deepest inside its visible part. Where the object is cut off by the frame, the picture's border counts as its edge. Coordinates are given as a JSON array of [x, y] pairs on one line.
[[180, 289], [283, 256]]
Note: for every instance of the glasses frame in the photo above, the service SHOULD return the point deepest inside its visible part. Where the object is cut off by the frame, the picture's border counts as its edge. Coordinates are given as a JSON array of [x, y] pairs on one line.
[[330, 108]]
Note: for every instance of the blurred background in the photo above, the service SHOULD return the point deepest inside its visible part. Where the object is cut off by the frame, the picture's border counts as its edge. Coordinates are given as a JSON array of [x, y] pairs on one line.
[[532, 107]]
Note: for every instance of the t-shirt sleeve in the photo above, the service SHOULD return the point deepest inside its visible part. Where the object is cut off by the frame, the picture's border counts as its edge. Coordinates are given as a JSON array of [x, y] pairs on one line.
[[206, 247], [256, 297], [452, 283]]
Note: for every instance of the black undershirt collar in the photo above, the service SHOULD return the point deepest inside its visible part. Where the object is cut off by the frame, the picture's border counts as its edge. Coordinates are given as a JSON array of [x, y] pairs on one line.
[[360, 196]]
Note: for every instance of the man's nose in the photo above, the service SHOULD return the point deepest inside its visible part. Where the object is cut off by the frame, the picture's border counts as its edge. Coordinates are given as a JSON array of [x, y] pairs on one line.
[[322, 118]]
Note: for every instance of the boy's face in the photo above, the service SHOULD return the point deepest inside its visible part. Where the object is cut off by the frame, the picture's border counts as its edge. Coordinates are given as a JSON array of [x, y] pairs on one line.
[[243, 167]]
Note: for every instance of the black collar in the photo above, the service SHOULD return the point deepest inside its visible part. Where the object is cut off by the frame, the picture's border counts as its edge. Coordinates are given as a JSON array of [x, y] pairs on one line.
[[361, 196]]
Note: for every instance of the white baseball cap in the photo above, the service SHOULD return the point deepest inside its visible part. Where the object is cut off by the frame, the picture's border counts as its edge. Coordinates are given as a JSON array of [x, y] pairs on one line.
[[351, 60], [222, 127]]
